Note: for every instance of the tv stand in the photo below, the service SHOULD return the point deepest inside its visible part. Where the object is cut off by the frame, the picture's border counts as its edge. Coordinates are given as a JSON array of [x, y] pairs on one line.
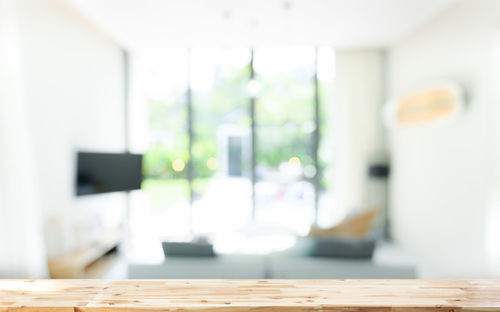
[[91, 261]]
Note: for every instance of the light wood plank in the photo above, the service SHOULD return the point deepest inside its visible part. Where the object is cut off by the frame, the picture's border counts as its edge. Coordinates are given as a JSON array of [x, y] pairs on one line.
[[249, 295]]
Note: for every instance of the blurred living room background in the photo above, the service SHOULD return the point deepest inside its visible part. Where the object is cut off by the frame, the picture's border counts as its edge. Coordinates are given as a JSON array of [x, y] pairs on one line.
[[249, 139]]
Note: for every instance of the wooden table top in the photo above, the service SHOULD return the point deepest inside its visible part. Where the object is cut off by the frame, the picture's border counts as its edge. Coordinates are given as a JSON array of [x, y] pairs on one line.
[[249, 295]]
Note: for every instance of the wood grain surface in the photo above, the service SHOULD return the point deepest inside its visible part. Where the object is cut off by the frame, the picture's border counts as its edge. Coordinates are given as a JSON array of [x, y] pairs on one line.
[[249, 295]]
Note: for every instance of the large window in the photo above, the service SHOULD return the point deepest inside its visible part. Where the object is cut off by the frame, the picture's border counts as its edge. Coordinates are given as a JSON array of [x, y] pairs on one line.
[[239, 139]]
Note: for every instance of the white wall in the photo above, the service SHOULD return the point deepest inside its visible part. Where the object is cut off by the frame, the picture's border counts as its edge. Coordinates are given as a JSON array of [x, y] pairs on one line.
[[443, 176], [73, 87], [22, 251], [358, 133]]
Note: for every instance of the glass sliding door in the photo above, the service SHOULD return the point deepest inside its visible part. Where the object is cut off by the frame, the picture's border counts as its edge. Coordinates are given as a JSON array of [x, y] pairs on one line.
[[285, 125], [221, 138], [165, 162], [328, 213]]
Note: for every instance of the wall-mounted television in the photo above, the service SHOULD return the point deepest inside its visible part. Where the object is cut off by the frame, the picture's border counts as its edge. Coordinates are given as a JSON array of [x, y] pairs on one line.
[[107, 172]]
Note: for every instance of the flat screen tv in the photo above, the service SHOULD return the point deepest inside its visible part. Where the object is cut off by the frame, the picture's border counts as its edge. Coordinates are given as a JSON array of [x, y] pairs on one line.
[[108, 172]]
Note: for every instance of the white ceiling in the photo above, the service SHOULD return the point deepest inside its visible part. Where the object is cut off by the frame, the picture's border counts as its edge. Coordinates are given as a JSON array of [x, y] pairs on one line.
[[142, 24]]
